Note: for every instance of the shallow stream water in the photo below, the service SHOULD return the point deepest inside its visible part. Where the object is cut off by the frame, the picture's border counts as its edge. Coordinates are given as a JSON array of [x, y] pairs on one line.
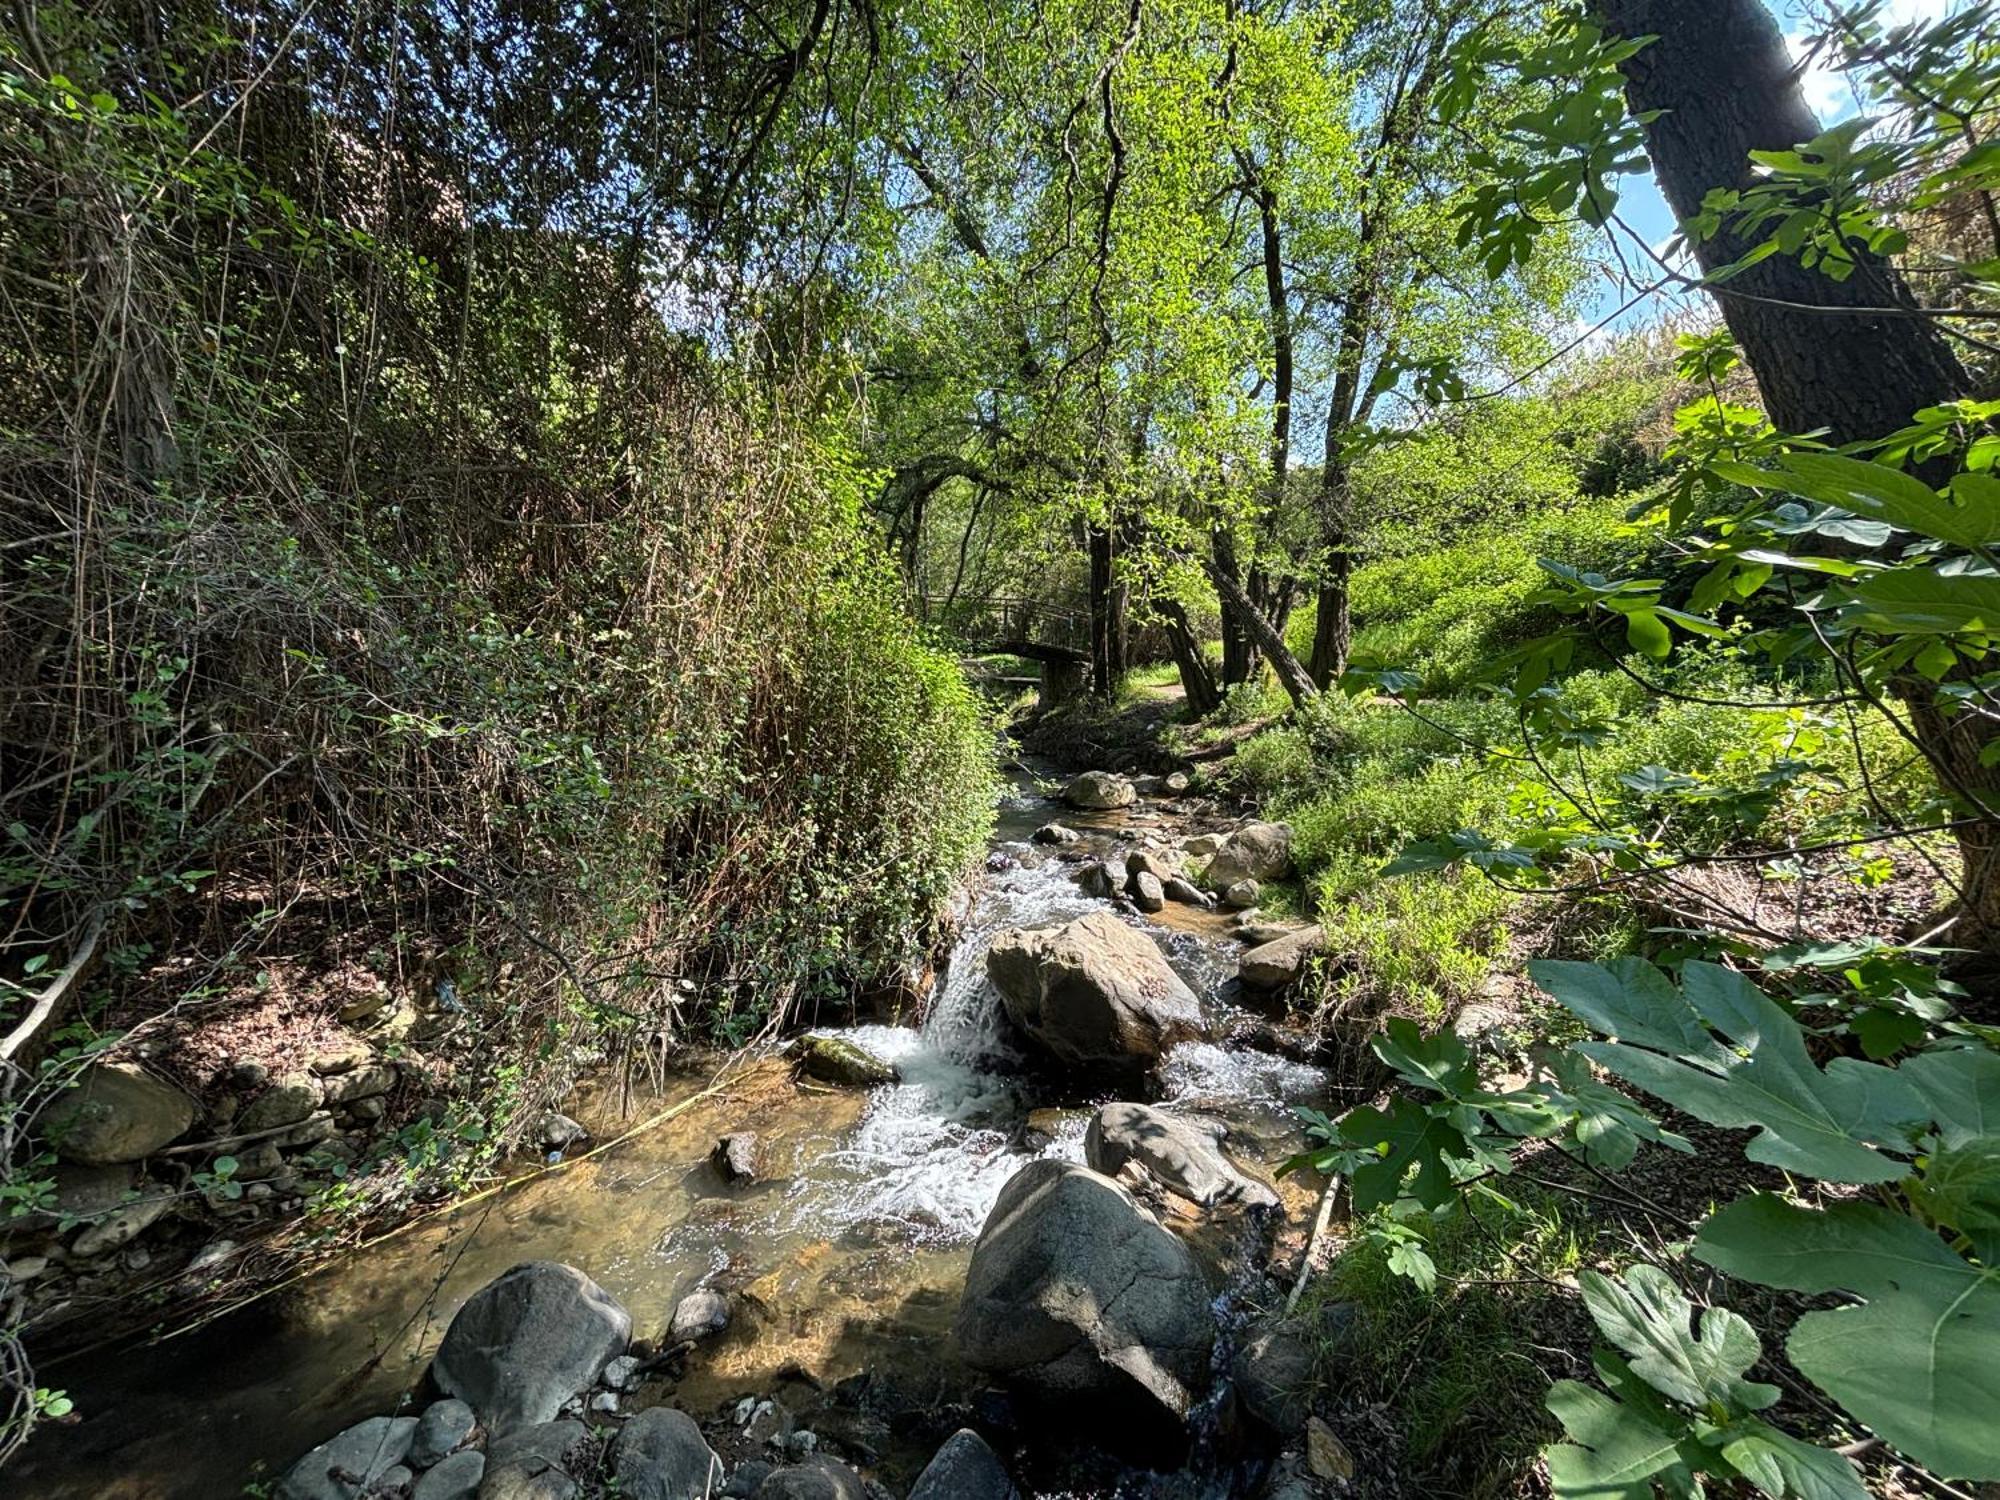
[[844, 1259]]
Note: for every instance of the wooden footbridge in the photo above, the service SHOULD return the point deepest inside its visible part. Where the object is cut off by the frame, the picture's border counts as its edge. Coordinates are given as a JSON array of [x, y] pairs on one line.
[[996, 624]]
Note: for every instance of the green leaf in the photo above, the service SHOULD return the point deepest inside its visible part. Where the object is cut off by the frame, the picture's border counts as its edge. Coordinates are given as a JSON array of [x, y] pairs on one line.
[[1785, 1468], [1960, 1187], [1646, 1316], [1619, 1449], [1608, 1125], [1627, 998], [1824, 1123], [1919, 1360], [1647, 635], [1925, 601], [1440, 1062], [1886, 494], [1961, 1088], [1405, 1135]]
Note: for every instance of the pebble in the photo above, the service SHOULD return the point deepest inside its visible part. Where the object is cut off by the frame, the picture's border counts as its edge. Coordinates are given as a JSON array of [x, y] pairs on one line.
[[622, 1374]]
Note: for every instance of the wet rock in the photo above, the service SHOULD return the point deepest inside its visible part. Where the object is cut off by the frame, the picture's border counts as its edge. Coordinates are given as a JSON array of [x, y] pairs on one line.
[[1093, 992], [833, 1059], [1147, 893], [1273, 965], [343, 1467], [287, 1101], [660, 1455], [1100, 878], [1242, 894], [537, 1462], [701, 1314], [117, 1112], [1099, 790], [1078, 1297], [456, 1477], [735, 1156], [124, 1224], [1181, 1154], [525, 1343], [1256, 851], [964, 1469], [1273, 1371], [1180, 888], [361, 1083], [442, 1429], [819, 1478], [558, 1132], [1055, 833]]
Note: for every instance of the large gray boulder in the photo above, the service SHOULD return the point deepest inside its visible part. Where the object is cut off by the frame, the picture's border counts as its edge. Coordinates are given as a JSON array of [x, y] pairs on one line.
[[117, 1112], [1256, 851], [818, 1478], [1273, 1371], [1276, 964], [525, 1343], [540, 1461], [1081, 1300], [442, 1429], [1092, 993], [455, 1477], [343, 1467], [1099, 790], [661, 1455], [964, 1469], [1182, 1155]]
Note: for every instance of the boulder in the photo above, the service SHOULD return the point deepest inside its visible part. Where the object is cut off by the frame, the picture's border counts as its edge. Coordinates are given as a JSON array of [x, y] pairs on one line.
[[1158, 863], [442, 1429], [525, 1343], [123, 1224], [1255, 934], [964, 1469], [1098, 790], [361, 1083], [735, 1156], [1273, 965], [702, 1313], [1093, 992], [1082, 1301], [558, 1132], [833, 1059], [818, 1478], [343, 1467], [1175, 783], [1180, 888], [538, 1462], [287, 1101], [1182, 1155], [1202, 845], [1147, 893], [1273, 1371], [661, 1455], [117, 1112], [1055, 833], [342, 1056], [1101, 878], [1256, 851], [455, 1477], [1242, 895]]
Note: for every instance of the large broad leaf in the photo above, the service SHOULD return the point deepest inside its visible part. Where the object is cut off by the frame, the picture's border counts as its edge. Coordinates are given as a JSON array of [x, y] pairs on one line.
[[1619, 1449], [1925, 601], [1405, 1135], [1440, 1062], [1609, 1126], [1824, 1123], [1961, 1089], [1877, 491], [1787, 1469], [1919, 1360], [1645, 1315], [1630, 999]]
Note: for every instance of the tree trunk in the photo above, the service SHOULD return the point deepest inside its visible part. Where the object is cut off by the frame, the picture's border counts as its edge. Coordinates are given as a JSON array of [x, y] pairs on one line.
[[1333, 627], [1239, 651], [1294, 678], [1725, 81], [1197, 682], [1109, 599]]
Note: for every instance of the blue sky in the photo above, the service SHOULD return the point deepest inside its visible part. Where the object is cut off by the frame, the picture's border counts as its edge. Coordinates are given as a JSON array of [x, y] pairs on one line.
[[1827, 91]]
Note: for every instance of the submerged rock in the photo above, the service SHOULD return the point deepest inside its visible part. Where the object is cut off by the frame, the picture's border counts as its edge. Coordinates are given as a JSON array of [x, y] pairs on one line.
[[1080, 1299], [343, 1467], [965, 1468], [1273, 965], [525, 1343], [702, 1313], [116, 1113], [1098, 790], [833, 1059], [1256, 851], [661, 1455], [1093, 992], [1055, 833], [1182, 1155]]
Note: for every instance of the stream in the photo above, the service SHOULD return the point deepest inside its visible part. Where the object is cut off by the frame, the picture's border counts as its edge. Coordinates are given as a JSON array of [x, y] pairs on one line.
[[844, 1260]]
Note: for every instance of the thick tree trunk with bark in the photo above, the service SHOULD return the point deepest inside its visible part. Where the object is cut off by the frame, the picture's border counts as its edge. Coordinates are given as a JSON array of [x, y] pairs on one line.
[[1109, 600], [1198, 683], [1722, 74], [1296, 681], [1725, 80]]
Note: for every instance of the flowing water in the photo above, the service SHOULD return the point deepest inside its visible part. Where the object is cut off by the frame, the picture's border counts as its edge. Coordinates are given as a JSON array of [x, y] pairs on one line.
[[844, 1259]]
